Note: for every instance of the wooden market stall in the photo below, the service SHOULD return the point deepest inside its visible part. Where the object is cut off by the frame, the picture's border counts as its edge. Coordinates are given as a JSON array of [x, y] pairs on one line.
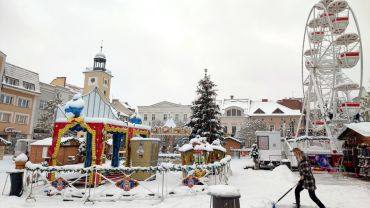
[[3, 143], [356, 147], [68, 151], [231, 143]]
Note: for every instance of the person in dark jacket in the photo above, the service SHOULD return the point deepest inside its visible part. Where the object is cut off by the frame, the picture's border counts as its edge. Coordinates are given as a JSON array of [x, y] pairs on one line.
[[255, 156], [307, 181]]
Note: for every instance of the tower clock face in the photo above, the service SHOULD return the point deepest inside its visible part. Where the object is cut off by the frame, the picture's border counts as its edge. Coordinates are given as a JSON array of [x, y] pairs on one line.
[[92, 80]]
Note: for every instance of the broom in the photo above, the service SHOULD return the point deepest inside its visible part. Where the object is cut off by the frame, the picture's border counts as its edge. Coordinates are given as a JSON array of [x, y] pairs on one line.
[[273, 204]]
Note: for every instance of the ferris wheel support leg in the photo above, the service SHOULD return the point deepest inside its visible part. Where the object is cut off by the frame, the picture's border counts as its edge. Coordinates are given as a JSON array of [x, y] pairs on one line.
[[321, 105], [301, 117]]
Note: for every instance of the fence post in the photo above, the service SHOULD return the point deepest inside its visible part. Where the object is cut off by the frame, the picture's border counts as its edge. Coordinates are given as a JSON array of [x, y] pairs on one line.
[[30, 196], [162, 198]]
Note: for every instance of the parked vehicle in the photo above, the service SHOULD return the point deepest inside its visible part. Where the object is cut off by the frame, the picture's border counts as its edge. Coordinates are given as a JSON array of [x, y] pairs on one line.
[[275, 150]]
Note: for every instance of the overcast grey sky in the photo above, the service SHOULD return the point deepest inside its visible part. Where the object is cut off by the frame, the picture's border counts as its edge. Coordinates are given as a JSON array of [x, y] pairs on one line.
[[157, 50]]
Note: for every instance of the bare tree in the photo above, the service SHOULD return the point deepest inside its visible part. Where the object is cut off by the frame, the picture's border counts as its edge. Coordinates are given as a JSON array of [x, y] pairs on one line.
[[45, 123], [157, 123], [248, 130]]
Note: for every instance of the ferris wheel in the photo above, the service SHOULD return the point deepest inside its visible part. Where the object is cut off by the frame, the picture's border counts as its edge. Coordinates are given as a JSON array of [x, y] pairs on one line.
[[332, 69]]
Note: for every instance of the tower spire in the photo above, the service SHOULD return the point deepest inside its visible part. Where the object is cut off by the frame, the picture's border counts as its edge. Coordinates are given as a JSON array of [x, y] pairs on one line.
[[101, 46]]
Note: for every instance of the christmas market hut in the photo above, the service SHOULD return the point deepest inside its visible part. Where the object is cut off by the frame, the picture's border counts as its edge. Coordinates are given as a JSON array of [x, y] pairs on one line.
[[231, 143], [68, 151], [218, 151], [3, 143], [196, 151], [356, 147]]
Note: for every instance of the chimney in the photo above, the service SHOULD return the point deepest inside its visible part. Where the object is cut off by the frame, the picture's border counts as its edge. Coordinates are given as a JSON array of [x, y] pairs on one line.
[[232, 97], [265, 100]]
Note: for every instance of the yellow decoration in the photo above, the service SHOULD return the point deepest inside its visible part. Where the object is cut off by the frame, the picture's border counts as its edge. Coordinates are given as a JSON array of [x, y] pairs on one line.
[[78, 120], [63, 131], [200, 173]]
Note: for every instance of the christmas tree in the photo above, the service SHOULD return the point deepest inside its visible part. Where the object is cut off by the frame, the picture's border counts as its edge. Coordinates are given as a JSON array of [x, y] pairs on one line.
[[204, 120]]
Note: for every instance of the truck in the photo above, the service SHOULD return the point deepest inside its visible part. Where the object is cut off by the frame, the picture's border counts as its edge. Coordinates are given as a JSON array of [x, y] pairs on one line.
[[275, 150]]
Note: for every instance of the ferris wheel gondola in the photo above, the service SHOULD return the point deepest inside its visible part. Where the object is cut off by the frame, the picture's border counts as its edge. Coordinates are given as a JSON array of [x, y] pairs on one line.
[[331, 55]]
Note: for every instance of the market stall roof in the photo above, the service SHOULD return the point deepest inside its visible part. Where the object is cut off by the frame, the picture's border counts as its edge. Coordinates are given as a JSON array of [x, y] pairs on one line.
[[232, 138], [362, 128], [145, 139], [4, 141], [170, 123], [48, 141], [96, 105], [108, 121]]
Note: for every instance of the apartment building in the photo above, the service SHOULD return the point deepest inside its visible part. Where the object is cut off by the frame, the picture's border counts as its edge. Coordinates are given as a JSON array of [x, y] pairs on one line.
[[19, 91], [159, 113]]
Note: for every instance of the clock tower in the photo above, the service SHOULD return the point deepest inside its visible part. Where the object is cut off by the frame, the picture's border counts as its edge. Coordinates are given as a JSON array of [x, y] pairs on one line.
[[98, 76]]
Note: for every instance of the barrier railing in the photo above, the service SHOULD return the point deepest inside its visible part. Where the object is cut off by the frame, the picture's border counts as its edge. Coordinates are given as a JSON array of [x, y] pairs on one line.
[[118, 183]]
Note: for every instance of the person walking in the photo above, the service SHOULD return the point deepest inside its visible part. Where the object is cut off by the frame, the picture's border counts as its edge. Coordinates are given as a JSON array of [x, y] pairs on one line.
[[255, 156], [307, 181]]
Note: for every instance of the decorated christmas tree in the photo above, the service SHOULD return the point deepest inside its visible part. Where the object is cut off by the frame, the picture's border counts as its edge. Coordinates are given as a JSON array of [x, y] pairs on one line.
[[204, 120]]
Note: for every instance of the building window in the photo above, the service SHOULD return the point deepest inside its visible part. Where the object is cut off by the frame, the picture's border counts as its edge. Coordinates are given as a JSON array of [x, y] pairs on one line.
[[153, 117], [29, 86], [23, 103], [43, 104], [106, 82], [272, 127], [233, 130], [234, 112], [145, 117], [6, 99], [5, 117], [176, 117], [164, 117], [225, 129], [185, 117], [228, 113], [12, 81], [21, 119], [259, 111]]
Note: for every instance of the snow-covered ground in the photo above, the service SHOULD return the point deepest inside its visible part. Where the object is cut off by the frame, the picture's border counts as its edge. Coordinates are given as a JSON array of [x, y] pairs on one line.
[[258, 189]]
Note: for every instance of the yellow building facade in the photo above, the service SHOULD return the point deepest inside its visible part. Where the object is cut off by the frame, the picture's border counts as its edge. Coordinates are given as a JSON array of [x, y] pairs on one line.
[[19, 90]]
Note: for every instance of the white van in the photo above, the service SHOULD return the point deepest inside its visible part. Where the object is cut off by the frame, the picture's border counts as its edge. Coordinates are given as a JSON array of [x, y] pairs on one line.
[[274, 149]]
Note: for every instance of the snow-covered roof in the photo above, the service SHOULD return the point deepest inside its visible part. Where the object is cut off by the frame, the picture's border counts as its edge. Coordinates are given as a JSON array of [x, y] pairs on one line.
[[232, 138], [271, 108], [23, 75], [185, 148], [227, 103], [48, 141], [218, 147], [145, 139], [2, 140], [109, 121], [362, 128], [170, 123], [203, 147], [100, 55]]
